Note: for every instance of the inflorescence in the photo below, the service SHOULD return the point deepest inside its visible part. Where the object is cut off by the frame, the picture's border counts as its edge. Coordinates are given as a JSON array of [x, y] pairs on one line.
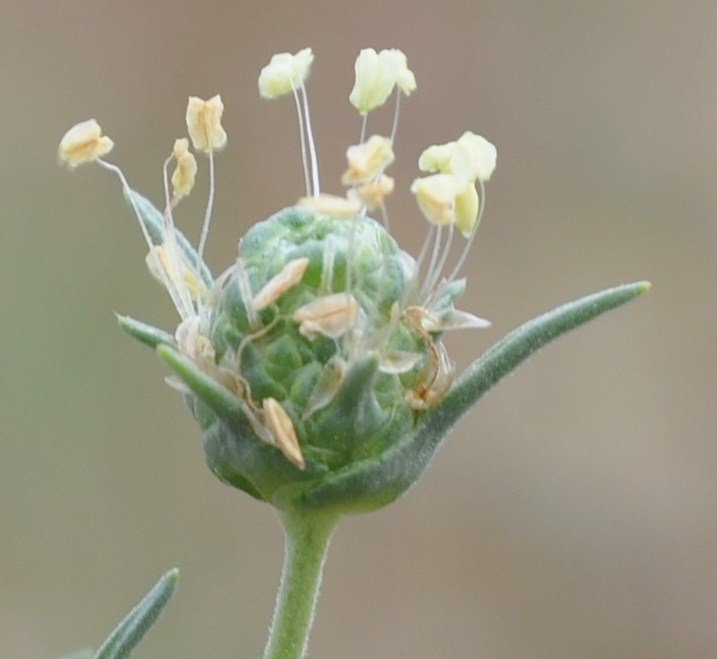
[[331, 303]]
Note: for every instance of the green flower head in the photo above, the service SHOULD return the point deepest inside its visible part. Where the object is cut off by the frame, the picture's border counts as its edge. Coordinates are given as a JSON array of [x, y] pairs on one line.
[[314, 363]]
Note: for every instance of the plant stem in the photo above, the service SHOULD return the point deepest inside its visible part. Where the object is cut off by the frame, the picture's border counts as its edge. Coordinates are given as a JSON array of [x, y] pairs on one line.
[[307, 535]]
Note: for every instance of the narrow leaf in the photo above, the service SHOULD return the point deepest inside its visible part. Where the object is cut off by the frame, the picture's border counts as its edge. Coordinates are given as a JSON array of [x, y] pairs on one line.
[[122, 641], [148, 334], [375, 482]]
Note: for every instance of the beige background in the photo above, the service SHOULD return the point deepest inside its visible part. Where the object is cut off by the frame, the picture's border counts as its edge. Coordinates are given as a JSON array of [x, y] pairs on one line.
[[573, 514]]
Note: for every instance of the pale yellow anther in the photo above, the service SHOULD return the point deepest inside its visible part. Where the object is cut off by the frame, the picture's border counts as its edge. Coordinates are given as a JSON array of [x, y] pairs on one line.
[[83, 143], [186, 169], [373, 193], [204, 123], [466, 209], [437, 158], [367, 160], [471, 157], [284, 73], [286, 278], [330, 315], [331, 205], [474, 157], [376, 76], [436, 196]]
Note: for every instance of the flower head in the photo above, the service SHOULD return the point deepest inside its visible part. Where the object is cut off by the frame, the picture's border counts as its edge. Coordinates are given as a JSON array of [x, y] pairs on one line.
[[204, 123], [83, 143], [320, 346]]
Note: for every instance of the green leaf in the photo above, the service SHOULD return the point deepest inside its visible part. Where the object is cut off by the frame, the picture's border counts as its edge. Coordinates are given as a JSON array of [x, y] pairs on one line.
[[375, 482], [153, 221], [148, 334], [122, 641], [216, 396]]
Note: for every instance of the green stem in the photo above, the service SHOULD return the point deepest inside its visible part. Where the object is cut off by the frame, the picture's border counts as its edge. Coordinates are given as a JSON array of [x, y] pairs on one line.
[[307, 536]]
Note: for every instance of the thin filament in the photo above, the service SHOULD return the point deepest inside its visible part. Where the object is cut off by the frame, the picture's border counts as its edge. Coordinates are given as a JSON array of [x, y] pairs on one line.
[[429, 285], [396, 110], [312, 146], [434, 257], [302, 136], [127, 189], [208, 211]]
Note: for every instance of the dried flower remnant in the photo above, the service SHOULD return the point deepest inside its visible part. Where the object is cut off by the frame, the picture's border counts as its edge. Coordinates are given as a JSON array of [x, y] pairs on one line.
[[282, 430]]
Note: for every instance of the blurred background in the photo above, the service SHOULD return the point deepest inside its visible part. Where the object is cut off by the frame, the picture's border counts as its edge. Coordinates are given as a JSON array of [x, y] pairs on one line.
[[572, 514]]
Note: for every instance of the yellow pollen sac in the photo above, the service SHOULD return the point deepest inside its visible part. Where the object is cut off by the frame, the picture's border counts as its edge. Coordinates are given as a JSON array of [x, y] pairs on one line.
[[331, 316], [331, 205], [437, 158], [471, 157], [186, 169], [474, 157], [376, 76], [281, 427], [466, 209], [284, 73], [373, 193], [204, 123], [83, 143], [289, 276], [436, 195], [366, 161]]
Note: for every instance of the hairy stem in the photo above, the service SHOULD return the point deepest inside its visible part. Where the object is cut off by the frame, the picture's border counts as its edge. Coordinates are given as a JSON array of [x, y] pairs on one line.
[[307, 536]]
